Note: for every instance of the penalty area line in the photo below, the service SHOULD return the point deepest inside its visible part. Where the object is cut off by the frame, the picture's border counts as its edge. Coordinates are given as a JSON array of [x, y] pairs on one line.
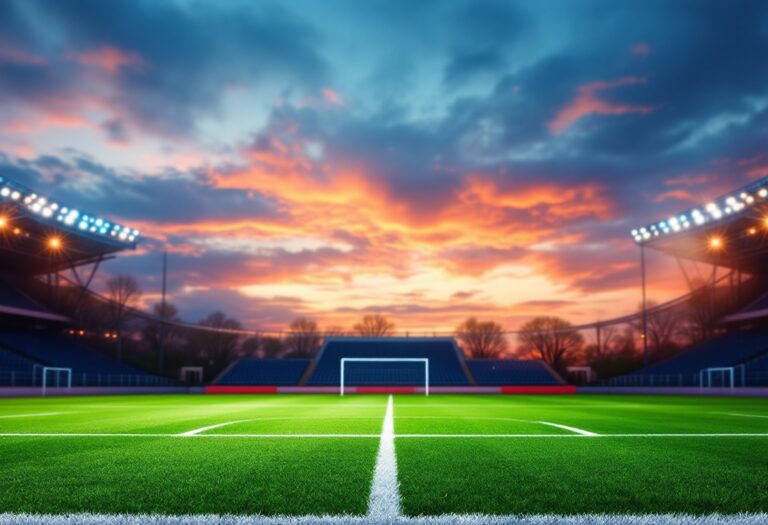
[[575, 430]]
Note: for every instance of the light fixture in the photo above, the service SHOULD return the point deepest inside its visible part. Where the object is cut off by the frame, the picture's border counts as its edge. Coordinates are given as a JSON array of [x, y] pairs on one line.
[[54, 243], [715, 243]]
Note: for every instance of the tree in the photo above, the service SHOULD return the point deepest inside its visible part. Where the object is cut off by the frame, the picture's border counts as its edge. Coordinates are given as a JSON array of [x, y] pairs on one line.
[[219, 345], [481, 340], [303, 337], [375, 325], [550, 339], [170, 333], [124, 293]]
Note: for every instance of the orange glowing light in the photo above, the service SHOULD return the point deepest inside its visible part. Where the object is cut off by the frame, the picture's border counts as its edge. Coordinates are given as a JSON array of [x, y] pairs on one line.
[[3, 222], [715, 243], [54, 243], [752, 231]]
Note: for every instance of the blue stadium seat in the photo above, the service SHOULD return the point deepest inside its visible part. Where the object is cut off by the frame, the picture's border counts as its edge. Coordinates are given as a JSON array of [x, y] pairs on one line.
[[273, 372], [727, 350], [445, 366], [10, 296], [88, 367], [511, 372], [15, 370]]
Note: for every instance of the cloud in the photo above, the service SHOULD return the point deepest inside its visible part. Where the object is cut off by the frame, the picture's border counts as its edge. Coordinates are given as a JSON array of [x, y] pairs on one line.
[[588, 102]]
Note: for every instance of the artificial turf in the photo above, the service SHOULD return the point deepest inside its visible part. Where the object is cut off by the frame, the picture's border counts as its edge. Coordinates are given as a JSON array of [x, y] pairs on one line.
[[237, 469]]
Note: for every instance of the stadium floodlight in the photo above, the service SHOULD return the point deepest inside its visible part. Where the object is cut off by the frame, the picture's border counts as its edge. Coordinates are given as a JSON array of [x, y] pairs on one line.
[[58, 371], [715, 243], [345, 360], [3, 222], [54, 243], [50, 210]]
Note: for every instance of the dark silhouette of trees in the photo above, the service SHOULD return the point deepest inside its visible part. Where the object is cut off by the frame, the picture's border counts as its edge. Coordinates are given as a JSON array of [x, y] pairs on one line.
[[124, 294], [551, 339], [303, 337], [375, 325], [481, 340]]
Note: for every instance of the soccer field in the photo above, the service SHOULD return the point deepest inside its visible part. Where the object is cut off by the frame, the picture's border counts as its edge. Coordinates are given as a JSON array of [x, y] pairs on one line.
[[384, 456]]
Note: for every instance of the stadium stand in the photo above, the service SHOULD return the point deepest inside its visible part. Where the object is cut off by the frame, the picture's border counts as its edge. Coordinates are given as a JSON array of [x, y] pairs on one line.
[[730, 349], [512, 372], [445, 362], [275, 372], [88, 367], [15, 369]]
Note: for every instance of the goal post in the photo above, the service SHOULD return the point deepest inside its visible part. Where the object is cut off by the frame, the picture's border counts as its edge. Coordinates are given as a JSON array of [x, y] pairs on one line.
[[58, 370], [424, 360], [728, 373]]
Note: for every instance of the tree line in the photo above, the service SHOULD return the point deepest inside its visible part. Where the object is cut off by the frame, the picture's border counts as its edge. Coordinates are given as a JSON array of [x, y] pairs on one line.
[[608, 349]]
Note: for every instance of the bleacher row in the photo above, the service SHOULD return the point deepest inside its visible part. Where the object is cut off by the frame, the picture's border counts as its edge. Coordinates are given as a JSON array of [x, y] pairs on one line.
[[746, 350], [447, 366], [24, 353]]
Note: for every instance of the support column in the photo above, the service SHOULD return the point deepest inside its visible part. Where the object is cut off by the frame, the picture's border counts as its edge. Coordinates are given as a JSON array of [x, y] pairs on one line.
[[644, 335]]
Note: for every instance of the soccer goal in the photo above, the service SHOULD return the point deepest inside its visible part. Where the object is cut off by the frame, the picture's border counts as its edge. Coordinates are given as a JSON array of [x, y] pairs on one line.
[[423, 360], [727, 374], [67, 372]]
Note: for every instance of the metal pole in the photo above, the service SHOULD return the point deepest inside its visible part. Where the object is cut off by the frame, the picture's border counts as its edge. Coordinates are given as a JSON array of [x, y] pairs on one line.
[[161, 335], [426, 377], [645, 311], [342, 377]]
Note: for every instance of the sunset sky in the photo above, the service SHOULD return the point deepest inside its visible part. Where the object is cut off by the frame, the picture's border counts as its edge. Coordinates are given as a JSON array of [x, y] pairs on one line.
[[429, 160]]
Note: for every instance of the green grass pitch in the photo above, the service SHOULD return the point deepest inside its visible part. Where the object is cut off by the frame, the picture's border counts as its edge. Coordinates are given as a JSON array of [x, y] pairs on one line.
[[310, 455]]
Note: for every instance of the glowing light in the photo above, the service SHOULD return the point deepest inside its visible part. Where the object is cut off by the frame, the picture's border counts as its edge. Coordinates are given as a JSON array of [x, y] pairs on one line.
[[715, 243], [54, 243], [752, 231], [3, 222]]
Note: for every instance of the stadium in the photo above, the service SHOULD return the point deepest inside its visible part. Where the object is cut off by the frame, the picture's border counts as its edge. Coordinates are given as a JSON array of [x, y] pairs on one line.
[[399, 256]]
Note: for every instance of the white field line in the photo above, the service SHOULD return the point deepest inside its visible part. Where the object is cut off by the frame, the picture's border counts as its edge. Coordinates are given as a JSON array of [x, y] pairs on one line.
[[446, 519], [575, 430], [384, 500], [211, 427], [396, 436], [38, 414], [744, 415]]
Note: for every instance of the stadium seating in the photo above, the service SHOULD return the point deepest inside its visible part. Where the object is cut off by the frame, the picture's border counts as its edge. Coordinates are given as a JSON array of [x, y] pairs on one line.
[[511, 372], [13, 298], [727, 350], [88, 367], [276, 372], [14, 369], [445, 366]]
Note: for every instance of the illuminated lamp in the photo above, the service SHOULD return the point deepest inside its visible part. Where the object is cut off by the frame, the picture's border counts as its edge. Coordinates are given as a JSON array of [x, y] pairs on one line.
[[715, 243], [54, 243]]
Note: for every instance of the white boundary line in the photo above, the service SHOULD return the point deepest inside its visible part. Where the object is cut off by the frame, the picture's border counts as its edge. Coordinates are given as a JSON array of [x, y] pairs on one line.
[[384, 500], [211, 427], [39, 414], [378, 436], [744, 415], [575, 430], [446, 519]]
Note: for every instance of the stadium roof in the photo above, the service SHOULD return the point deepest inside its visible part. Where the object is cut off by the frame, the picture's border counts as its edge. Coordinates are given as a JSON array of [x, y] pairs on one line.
[[730, 231], [39, 234]]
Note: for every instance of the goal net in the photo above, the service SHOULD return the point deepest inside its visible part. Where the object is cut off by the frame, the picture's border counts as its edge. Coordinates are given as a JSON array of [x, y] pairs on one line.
[[56, 377], [384, 371], [722, 376]]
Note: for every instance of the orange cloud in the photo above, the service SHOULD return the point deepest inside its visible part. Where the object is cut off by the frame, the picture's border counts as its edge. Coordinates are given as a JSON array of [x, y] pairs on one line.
[[108, 59], [332, 97], [15, 56], [587, 102]]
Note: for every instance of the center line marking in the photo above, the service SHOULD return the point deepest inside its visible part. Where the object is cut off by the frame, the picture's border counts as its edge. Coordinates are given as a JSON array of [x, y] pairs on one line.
[[384, 501], [575, 430]]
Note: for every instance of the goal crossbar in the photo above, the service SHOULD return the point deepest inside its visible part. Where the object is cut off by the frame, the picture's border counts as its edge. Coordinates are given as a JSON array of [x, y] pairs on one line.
[[56, 369], [705, 375], [345, 360]]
